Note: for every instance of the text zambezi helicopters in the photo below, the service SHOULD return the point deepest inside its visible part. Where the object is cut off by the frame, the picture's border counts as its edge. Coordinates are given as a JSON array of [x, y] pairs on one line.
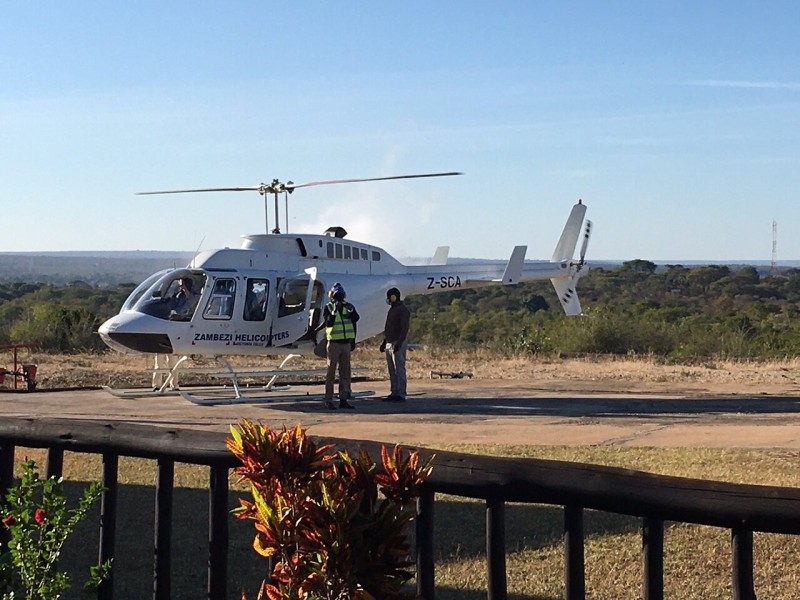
[[267, 297]]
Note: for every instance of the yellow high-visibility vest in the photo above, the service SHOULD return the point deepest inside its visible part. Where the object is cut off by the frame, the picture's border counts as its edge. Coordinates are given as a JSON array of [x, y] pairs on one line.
[[343, 328]]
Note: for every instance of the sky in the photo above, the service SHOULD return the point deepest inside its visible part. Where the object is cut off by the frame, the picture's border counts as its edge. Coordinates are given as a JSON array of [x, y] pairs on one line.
[[676, 123]]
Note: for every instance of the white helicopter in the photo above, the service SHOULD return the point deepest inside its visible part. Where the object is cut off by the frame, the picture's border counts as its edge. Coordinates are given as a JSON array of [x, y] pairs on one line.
[[267, 297]]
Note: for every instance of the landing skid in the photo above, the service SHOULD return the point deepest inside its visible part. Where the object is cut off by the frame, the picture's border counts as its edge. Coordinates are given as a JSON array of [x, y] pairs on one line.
[[241, 399], [132, 394], [170, 382], [233, 387], [138, 393]]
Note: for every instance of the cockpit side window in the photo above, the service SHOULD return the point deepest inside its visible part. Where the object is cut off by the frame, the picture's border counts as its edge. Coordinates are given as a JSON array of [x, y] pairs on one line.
[[256, 297], [220, 302]]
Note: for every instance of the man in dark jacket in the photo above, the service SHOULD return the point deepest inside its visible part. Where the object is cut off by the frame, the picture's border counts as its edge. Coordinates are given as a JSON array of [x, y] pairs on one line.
[[395, 344]]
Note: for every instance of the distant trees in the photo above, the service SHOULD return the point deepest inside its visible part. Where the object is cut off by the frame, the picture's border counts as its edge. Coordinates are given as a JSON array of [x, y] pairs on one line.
[[63, 319], [706, 311]]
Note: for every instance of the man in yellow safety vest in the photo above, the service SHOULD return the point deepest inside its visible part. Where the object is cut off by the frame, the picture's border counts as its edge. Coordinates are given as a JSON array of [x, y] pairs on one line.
[[340, 320]]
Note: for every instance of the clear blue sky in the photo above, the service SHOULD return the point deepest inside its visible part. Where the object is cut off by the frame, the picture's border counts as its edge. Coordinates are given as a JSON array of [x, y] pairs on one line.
[[677, 123]]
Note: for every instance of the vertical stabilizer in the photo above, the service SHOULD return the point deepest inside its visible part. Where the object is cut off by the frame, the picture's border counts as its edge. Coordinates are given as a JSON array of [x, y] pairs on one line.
[[565, 249]]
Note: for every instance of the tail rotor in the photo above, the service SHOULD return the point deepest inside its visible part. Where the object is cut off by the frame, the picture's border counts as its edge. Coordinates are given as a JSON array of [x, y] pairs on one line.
[[587, 232]]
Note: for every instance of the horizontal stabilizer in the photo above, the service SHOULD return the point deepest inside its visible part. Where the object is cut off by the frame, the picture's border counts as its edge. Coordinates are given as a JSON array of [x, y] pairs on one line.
[[513, 270], [440, 256], [565, 249]]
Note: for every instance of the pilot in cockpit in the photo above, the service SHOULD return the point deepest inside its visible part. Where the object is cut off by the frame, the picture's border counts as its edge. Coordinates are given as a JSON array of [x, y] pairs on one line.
[[184, 300]]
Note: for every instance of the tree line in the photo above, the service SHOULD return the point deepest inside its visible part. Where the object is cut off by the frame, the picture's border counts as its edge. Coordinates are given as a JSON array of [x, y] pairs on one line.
[[635, 308], [60, 318]]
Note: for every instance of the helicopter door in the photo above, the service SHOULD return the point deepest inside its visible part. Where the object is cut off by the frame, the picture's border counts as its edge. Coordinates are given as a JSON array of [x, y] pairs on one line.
[[291, 316]]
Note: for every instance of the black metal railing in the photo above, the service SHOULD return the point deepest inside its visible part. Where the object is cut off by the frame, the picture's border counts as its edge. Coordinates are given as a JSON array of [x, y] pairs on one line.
[[743, 509]]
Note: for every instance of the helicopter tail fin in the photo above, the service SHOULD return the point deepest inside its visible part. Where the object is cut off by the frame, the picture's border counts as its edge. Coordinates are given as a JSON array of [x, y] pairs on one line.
[[565, 249]]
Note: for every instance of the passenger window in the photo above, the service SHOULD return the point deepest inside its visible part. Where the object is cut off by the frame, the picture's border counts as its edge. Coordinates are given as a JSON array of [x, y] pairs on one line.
[[338, 251], [255, 305], [220, 303], [355, 253], [293, 297], [364, 254], [330, 249], [347, 251], [376, 255]]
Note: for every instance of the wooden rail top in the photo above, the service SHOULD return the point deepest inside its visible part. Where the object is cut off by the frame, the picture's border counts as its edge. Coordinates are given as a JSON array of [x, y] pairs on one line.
[[611, 489]]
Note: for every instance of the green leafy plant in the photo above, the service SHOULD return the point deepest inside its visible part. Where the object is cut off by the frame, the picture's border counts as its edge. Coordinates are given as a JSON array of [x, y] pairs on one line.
[[334, 526], [36, 523]]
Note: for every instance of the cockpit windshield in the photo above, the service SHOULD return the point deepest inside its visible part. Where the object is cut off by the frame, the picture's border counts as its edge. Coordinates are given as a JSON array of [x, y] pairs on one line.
[[134, 296], [173, 295]]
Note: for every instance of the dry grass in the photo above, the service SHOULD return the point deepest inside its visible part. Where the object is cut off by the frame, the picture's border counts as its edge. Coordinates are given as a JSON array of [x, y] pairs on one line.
[[697, 563], [86, 370]]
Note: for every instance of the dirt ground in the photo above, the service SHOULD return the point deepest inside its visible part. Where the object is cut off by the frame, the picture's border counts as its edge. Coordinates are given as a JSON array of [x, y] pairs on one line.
[[578, 401]]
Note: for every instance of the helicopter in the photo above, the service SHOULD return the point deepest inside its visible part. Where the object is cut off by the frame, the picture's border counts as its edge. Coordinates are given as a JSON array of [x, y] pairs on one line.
[[267, 297]]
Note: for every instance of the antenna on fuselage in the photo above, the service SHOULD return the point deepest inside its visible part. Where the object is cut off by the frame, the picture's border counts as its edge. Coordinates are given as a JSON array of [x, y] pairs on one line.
[[276, 187], [196, 252]]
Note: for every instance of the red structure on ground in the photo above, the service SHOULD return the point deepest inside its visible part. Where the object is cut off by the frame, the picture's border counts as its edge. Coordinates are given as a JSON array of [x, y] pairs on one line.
[[22, 372]]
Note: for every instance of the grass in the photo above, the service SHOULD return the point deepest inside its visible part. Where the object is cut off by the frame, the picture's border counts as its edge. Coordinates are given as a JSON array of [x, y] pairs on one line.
[[697, 559], [697, 562], [635, 372]]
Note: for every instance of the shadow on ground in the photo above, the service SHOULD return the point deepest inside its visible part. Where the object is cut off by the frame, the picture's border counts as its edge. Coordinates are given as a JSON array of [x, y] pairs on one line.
[[597, 406]]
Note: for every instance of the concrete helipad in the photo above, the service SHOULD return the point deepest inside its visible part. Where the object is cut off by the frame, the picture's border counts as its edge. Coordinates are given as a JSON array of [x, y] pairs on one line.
[[467, 411]]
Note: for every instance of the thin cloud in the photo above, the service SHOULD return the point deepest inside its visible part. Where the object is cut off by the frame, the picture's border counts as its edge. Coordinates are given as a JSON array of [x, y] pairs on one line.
[[744, 84]]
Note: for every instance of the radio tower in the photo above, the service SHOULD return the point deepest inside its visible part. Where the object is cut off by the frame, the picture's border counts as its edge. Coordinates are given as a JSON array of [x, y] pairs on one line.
[[774, 268]]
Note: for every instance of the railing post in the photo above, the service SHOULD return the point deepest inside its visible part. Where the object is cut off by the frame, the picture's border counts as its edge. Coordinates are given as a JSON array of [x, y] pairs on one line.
[[424, 544], [653, 559], [742, 572], [165, 482], [218, 533], [575, 583], [108, 522], [55, 463], [6, 481], [6, 468], [496, 549]]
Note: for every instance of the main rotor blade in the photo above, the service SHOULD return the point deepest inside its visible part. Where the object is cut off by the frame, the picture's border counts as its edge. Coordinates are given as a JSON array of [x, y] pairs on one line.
[[277, 187], [292, 186], [226, 189]]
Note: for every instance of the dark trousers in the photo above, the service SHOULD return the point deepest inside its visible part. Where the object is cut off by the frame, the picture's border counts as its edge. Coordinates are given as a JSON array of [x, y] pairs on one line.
[[338, 356]]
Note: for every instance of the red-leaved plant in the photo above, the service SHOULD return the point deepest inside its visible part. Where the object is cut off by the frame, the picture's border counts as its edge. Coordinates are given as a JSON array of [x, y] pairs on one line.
[[334, 526]]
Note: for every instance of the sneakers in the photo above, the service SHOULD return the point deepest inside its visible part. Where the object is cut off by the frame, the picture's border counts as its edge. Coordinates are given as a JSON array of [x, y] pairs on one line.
[[343, 400], [343, 403], [393, 398]]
